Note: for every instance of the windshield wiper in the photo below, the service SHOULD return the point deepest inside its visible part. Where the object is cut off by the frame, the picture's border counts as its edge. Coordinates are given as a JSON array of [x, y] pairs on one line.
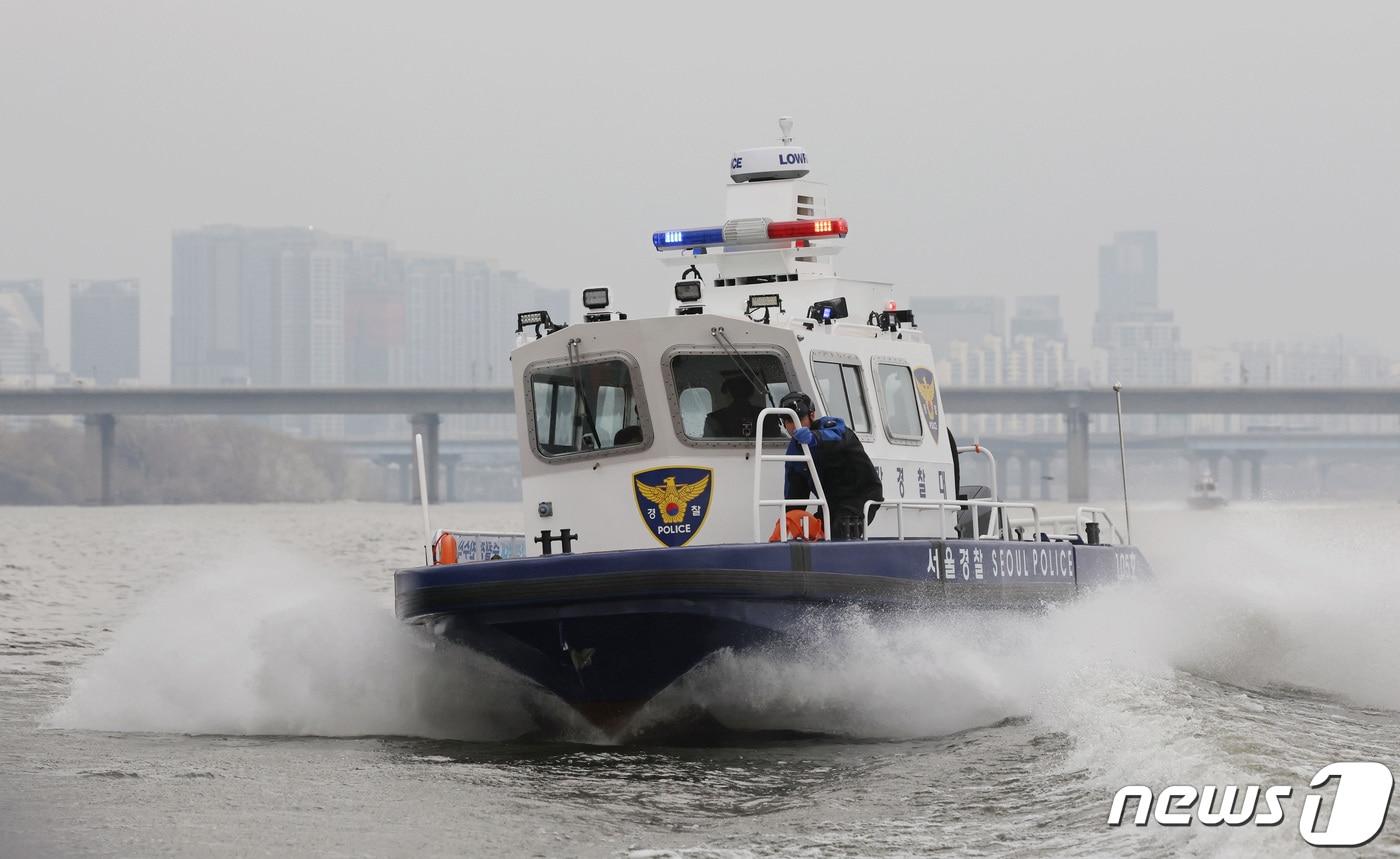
[[575, 363], [754, 378]]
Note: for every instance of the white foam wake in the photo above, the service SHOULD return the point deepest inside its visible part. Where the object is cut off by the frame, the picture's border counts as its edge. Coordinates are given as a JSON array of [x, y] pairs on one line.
[[1267, 598], [274, 645]]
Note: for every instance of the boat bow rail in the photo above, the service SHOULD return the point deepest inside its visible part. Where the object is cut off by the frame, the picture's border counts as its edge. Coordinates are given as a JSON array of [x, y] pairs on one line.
[[460, 547], [1081, 519]]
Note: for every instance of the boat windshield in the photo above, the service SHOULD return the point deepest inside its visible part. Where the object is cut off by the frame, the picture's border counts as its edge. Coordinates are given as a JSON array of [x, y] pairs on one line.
[[718, 398], [586, 408]]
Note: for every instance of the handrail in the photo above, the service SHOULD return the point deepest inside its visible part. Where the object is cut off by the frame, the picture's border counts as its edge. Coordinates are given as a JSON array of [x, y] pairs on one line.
[[759, 457], [1093, 514], [978, 448], [974, 505], [1078, 519]]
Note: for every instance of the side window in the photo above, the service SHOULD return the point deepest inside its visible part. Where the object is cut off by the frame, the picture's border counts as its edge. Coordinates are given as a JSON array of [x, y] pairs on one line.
[[720, 400], [899, 401], [591, 407], [842, 393], [554, 416]]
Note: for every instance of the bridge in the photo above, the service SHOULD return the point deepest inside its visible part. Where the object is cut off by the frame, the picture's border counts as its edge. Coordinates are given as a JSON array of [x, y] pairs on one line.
[[1244, 452], [100, 408]]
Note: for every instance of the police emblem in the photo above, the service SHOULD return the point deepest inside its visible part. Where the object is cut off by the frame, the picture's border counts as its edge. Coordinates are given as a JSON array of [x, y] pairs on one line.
[[673, 501], [923, 381]]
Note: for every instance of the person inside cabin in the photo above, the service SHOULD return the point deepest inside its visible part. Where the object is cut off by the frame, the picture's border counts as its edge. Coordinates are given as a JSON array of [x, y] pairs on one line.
[[848, 477], [738, 419]]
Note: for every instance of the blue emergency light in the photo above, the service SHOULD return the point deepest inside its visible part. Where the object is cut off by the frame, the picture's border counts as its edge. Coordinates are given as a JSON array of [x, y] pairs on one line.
[[702, 238]]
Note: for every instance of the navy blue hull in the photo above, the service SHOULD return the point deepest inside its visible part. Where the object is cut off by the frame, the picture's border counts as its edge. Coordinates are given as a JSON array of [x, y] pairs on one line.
[[607, 631]]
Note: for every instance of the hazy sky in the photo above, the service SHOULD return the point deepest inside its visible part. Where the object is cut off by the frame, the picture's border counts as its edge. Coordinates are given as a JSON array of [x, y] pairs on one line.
[[974, 147]]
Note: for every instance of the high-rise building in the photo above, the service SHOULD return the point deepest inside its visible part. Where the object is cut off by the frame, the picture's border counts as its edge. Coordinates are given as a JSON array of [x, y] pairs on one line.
[[375, 316], [1127, 280], [32, 291], [299, 306], [1141, 342], [23, 356], [946, 320], [259, 306], [22, 353], [1038, 317], [105, 325], [967, 334], [1037, 356]]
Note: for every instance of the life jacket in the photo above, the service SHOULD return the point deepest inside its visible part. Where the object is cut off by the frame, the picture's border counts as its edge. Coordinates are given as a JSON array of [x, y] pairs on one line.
[[795, 528]]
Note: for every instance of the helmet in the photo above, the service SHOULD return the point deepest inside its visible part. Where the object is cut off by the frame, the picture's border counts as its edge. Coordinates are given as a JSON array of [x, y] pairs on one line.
[[798, 402]]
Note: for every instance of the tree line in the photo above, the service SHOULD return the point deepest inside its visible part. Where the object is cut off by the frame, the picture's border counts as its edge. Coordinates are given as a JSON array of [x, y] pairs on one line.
[[172, 461]]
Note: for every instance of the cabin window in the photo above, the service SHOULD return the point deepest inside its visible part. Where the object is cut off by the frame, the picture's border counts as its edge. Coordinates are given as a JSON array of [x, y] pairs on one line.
[[584, 408], [842, 393], [720, 399], [899, 401]]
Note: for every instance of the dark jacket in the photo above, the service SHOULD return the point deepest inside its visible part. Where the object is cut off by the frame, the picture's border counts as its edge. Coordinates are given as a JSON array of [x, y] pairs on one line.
[[848, 477]]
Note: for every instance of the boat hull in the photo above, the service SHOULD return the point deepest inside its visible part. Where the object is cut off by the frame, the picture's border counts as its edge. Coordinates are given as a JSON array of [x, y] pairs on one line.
[[607, 631]]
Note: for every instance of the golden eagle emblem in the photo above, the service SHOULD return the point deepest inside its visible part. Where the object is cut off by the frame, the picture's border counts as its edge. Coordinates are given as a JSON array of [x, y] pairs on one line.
[[671, 498], [673, 501]]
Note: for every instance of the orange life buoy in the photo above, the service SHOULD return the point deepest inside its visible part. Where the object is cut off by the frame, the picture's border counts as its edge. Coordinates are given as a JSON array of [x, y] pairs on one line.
[[445, 549], [801, 526]]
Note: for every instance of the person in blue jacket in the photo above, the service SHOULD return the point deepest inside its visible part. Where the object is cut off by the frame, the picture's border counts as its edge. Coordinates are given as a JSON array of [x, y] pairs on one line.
[[847, 475]]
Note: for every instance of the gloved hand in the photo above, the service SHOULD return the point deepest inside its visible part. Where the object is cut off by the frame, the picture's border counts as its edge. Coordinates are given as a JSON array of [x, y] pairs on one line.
[[803, 435]]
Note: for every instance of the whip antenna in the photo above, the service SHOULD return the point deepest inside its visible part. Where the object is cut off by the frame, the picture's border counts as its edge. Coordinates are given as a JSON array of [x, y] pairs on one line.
[[1122, 462], [423, 497]]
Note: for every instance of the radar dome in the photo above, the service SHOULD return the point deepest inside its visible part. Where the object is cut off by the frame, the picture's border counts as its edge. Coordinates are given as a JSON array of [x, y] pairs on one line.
[[784, 161]]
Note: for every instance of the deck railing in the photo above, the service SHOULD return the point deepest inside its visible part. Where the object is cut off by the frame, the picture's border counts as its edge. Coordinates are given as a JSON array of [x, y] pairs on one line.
[[759, 457]]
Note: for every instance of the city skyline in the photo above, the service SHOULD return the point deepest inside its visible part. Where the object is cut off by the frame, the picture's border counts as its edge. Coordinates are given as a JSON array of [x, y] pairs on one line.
[[380, 282], [972, 152]]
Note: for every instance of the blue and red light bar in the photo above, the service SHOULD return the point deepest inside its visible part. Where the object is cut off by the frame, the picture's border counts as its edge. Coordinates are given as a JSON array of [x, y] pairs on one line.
[[705, 237], [748, 231]]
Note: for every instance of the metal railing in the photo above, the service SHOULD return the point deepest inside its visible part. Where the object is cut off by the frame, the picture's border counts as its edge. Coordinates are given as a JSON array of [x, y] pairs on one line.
[[1079, 519], [759, 457], [999, 530], [992, 460]]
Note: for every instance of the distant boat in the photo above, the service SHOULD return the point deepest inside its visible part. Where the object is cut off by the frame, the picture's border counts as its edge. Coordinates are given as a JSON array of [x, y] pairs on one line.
[[1205, 496]]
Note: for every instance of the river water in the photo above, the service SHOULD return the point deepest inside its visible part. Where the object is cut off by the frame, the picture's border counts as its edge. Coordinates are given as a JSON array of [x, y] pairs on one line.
[[231, 680]]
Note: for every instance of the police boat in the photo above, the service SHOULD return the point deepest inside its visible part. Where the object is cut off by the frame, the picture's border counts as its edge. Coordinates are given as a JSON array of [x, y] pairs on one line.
[[653, 460]]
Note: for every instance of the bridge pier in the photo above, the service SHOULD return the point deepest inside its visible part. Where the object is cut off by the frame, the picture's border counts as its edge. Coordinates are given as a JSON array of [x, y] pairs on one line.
[[449, 474], [101, 432], [426, 425], [1077, 459]]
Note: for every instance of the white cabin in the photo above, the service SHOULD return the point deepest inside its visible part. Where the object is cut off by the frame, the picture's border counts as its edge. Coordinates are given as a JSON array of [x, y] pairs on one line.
[[636, 433]]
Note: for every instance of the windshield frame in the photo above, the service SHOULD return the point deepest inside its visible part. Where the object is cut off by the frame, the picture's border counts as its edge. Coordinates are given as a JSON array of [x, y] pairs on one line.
[[882, 402], [746, 350], [568, 368]]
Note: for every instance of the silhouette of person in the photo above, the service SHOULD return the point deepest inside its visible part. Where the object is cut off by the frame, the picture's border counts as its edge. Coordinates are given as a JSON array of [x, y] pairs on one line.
[[740, 417]]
